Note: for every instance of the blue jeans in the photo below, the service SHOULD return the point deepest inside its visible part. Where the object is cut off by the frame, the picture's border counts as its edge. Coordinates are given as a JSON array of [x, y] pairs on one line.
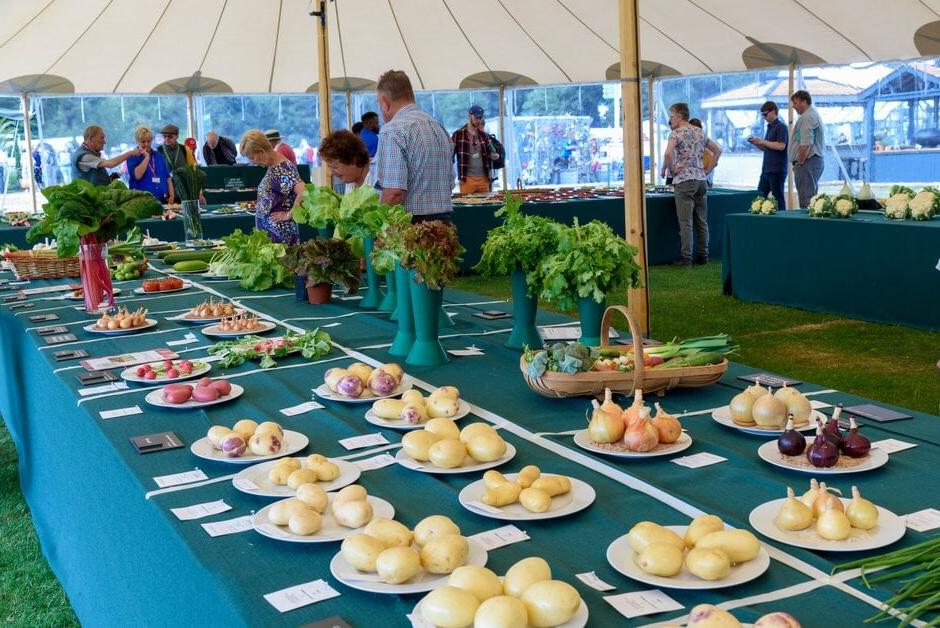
[[806, 178], [773, 183], [692, 210]]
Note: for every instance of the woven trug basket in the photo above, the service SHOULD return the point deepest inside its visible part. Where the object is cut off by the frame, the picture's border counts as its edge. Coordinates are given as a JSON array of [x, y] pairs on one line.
[[42, 265], [593, 383]]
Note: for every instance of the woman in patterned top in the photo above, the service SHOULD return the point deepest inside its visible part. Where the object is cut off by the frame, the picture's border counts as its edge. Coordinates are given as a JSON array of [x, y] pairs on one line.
[[279, 191]]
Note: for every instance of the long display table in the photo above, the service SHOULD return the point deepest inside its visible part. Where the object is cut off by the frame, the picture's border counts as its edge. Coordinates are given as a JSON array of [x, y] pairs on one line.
[[865, 267], [125, 559]]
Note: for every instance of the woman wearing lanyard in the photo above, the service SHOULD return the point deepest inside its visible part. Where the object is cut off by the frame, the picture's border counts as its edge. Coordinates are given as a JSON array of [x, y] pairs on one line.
[[149, 172]]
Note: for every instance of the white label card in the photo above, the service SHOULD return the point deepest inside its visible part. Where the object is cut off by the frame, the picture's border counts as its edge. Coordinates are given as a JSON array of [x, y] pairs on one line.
[[477, 505], [185, 340], [698, 460], [640, 603], [94, 390], [891, 445], [300, 409], [368, 440], [301, 595], [923, 520], [330, 325], [113, 414], [471, 350], [590, 578], [175, 479], [245, 484], [198, 511], [500, 537], [212, 358], [375, 462], [229, 526], [819, 405]]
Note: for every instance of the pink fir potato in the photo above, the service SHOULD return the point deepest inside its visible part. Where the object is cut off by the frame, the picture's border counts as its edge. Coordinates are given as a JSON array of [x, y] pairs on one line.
[[205, 393]]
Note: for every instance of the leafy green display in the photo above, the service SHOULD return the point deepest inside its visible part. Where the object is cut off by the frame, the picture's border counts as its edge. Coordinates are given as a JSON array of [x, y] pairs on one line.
[[92, 214], [324, 260], [253, 259], [432, 250], [310, 345], [389, 247], [319, 207], [591, 261]]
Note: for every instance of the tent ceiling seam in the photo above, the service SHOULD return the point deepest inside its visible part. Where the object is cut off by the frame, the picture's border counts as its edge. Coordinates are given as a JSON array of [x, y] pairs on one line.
[[689, 52], [833, 29], [277, 39], [80, 36], [929, 8], [716, 18], [405, 44], [215, 30], [28, 22], [591, 30], [142, 46], [532, 39], [467, 37], [339, 35]]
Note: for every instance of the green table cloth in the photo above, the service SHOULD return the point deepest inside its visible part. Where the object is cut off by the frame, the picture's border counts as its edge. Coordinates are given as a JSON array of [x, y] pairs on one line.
[[124, 559], [865, 267]]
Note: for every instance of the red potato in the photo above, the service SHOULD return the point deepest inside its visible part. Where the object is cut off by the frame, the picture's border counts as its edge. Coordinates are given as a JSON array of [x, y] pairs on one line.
[[141, 371], [205, 381], [205, 393], [172, 373], [150, 375], [222, 386], [176, 393]]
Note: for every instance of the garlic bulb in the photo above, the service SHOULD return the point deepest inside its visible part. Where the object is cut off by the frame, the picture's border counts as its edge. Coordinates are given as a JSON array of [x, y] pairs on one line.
[[862, 513], [794, 514]]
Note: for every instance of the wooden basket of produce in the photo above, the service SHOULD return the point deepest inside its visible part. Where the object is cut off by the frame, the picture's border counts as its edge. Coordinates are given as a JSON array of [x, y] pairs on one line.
[[686, 367], [42, 265]]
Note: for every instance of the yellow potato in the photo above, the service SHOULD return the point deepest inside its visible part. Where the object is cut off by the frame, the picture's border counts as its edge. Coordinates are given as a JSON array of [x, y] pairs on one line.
[[550, 603], [535, 499], [479, 581], [390, 532], [305, 523], [388, 408], [354, 514], [445, 391], [362, 551], [528, 475], [301, 476], [449, 607], [394, 370], [279, 473], [444, 554], [245, 427], [292, 463], [412, 397], [700, 526], [502, 495], [315, 459], [660, 559], [646, 532], [327, 471], [740, 545], [398, 564], [524, 573], [442, 407], [553, 484], [502, 611], [270, 427], [434, 527], [448, 453], [217, 434], [475, 429], [443, 428], [360, 370], [313, 496], [282, 511], [708, 564], [417, 444], [352, 493], [486, 448], [493, 478]]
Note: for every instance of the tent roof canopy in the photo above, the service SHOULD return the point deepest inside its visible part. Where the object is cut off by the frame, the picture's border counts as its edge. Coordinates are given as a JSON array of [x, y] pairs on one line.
[[246, 46]]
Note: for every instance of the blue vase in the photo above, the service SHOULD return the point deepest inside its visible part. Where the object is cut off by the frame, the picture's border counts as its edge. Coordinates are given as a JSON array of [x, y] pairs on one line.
[[389, 301], [426, 308], [373, 296], [591, 313], [524, 308], [405, 337]]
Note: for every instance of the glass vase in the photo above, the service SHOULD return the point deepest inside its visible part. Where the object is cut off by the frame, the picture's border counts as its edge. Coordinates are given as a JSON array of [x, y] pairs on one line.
[[96, 276], [192, 223]]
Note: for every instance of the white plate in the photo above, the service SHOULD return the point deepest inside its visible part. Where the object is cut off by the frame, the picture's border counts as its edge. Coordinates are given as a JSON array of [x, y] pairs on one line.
[[120, 332], [769, 453], [201, 321], [423, 581], [622, 558], [578, 498], [331, 531], [155, 398], [323, 391], [214, 331], [579, 620], [130, 374], [293, 442], [398, 424], [722, 415], [890, 528], [186, 286], [583, 440], [469, 465], [258, 474], [72, 297]]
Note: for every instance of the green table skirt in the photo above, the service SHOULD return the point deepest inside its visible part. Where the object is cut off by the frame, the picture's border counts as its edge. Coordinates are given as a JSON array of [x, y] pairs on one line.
[[126, 560], [865, 267]]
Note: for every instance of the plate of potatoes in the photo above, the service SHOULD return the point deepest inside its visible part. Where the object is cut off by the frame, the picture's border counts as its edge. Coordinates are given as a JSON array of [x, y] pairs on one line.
[[282, 477], [526, 496]]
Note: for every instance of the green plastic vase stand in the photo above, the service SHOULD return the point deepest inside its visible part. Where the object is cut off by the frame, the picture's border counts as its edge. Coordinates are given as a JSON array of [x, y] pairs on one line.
[[405, 338], [591, 312], [442, 318], [524, 308], [373, 296], [426, 308], [389, 302]]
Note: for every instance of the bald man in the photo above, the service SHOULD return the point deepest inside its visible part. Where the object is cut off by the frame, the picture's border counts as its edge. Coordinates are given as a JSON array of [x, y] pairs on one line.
[[218, 150]]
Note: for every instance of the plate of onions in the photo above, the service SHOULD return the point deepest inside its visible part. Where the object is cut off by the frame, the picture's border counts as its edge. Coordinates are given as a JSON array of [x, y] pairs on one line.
[[830, 453], [632, 433]]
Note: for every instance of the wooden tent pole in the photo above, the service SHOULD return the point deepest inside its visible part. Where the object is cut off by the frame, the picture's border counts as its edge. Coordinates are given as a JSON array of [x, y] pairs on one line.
[[27, 133], [349, 121], [634, 199], [792, 201], [502, 129], [652, 131], [190, 116], [323, 84]]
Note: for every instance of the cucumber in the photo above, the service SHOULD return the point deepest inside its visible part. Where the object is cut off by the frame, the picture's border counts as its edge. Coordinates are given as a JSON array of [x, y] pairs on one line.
[[190, 265], [188, 256]]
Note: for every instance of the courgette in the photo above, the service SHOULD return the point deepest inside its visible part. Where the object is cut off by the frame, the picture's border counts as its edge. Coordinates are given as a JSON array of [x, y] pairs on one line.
[[190, 266], [188, 256]]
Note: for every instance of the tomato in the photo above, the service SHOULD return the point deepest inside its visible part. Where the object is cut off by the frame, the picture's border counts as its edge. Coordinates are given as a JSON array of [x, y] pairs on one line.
[[168, 364], [172, 373], [141, 371]]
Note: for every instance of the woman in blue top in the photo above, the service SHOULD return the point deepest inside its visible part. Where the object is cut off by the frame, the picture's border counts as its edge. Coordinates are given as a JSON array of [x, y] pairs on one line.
[[149, 171]]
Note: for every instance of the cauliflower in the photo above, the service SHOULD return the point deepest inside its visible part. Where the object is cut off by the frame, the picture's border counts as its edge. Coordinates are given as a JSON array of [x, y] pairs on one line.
[[768, 207], [756, 205], [898, 206], [821, 206], [922, 205], [844, 207]]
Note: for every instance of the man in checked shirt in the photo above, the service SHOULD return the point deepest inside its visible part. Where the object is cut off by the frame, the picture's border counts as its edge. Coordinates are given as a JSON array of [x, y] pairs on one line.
[[415, 155]]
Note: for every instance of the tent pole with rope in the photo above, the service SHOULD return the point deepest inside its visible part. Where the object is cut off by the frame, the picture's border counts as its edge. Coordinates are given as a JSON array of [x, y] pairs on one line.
[[323, 88]]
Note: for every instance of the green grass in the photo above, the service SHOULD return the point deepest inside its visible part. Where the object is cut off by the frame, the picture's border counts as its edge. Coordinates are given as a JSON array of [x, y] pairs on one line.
[[883, 362]]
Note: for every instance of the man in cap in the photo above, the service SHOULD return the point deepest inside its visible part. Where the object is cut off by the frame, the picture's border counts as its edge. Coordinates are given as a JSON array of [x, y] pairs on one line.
[[175, 154], [274, 136], [474, 153], [773, 172]]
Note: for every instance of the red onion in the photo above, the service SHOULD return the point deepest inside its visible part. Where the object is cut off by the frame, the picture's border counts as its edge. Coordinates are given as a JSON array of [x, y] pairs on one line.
[[822, 453], [855, 445], [791, 442], [832, 432]]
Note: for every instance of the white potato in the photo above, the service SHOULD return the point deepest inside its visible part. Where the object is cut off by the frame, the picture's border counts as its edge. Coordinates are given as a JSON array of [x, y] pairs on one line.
[[449, 607], [351, 493], [313, 495], [390, 532], [443, 428], [361, 551], [305, 523], [433, 527], [417, 444], [524, 573], [550, 603], [443, 555], [281, 511], [353, 514], [398, 564], [480, 581]]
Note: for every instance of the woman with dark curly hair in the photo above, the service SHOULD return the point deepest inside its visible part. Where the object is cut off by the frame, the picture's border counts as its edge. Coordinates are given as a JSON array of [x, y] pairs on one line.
[[346, 155]]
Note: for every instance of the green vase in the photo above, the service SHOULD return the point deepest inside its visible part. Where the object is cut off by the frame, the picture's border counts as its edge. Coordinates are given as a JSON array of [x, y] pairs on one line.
[[405, 338], [524, 307], [373, 296], [426, 307], [443, 320], [389, 302], [591, 312]]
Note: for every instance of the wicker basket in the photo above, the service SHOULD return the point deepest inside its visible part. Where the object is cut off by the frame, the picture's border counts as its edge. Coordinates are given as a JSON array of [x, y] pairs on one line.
[[42, 265], [593, 383]]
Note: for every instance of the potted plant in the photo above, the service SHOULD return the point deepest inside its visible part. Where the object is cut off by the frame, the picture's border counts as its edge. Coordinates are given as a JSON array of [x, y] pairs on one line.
[[431, 252], [187, 183], [590, 261], [83, 218], [518, 246], [389, 249], [323, 261]]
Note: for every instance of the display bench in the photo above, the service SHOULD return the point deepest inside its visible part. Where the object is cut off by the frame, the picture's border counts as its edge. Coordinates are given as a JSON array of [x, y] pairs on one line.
[[865, 267], [124, 559], [230, 184]]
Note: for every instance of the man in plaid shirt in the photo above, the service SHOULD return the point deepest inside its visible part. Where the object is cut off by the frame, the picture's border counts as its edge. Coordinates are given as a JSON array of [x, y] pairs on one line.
[[474, 153], [415, 155]]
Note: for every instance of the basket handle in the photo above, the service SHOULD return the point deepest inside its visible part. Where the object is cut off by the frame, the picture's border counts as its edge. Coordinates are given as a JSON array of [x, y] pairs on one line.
[[634, 332]]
